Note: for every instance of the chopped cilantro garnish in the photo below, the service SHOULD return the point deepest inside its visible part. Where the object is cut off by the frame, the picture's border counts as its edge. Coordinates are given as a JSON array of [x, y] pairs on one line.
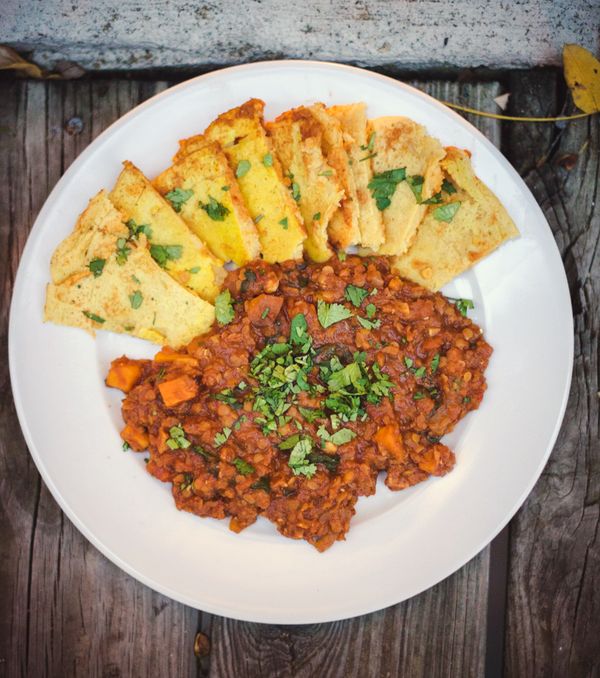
[[316, 216], [125, 446], [188, 481], [467, 399], [284, 223], [290, 442], [222, 436], [177, 439], [265, 313], [356, 295], [434, 200], [163, 253], [383, 186], [299, 461], [311, 415], [419, 395], [224, 308], [268, 160], [341, 437], [96, 266], [420, 372], [262, 484], [178, 196], [326, 173], [370, 144], [463, 305], [215, 209], [369, 324], [416, 186], [136, 299], [242, 168], [371, 309], [341, 256], [94, 317], [295, 188], [299, 330], [448, 187], [329, 314], [367, 157], [122, 251], [435, 362], [243, 467], [446, 212], [135, 230], [195, 269], [258, 217], [225, 188]]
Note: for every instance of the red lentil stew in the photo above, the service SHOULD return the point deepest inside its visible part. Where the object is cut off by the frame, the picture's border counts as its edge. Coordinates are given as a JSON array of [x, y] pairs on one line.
[[316, 378]]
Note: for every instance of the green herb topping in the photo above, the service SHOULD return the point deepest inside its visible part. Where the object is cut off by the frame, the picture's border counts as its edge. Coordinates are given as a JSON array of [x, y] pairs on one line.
[[94, 317], [215, 209], [329, 314], [268, 160], [463, 305], [178, 197], [383, 186], [299, 461], [243, 467], [222, 436], [446, 212], [177, 439], [163, 253], [96, 266], [122, 251], [136, 299], [242, 168], [284, 223], [224, 308], [355, 295]]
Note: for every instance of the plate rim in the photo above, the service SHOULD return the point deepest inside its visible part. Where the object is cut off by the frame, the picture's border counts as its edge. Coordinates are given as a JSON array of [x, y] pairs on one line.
[[229, 610]]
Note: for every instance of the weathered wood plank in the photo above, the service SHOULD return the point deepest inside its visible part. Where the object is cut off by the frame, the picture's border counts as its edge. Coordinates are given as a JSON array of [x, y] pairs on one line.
[[451, 617], [554, 578], [117, 34], [64, 609]]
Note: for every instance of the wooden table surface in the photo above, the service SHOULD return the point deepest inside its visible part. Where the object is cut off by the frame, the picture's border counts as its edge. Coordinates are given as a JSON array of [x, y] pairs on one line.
[[528, 605]]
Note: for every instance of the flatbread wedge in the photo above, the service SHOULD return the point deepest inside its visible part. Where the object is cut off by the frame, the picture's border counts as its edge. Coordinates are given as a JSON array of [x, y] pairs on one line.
[[215, 210], [242, 136], [359, 146], [298, 139], [103, 279], [402, 143], [343, 228], [181, 253], [443, 249]]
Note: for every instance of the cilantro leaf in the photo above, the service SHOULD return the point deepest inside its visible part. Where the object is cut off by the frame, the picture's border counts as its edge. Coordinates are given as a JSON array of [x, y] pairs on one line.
[[446, 212], [290, 443], [309, 414], [136, 299], [435, 362], [268, 160], [448, 187], [224, 308], [242, 168], [96, 266], [295, 188], [222, 436], [329, 314], [122, 251], [94, 317], [215, 209], [383, 186], [284, 222], [177, 439], [356, 295], [416, 186], [299, 462], [178, 197], [163, 253], [369, 324], [243, 467], [299, 329], [463, 305], [262, 484]]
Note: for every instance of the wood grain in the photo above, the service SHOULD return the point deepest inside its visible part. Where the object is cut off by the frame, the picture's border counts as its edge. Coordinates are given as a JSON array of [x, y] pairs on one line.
[[554, 576]]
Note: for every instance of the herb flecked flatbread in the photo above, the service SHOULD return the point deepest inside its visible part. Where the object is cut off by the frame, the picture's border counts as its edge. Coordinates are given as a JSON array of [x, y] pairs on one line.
[[467, 225], [103, 278]]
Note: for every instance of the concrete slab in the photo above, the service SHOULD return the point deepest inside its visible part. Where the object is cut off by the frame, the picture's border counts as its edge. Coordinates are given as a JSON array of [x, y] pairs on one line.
[[129, 34]]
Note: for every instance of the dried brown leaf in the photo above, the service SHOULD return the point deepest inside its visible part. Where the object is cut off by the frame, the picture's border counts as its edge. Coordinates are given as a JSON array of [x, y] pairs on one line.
[[10, 60]]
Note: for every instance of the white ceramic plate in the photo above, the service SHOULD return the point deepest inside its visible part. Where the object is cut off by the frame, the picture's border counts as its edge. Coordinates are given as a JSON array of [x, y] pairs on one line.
[[400, 543]]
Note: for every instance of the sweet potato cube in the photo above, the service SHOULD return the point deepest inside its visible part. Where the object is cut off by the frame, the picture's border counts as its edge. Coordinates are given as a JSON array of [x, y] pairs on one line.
[[178, 390], [124, 374]]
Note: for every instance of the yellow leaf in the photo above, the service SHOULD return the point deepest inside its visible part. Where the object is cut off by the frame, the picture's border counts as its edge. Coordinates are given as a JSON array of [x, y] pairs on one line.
[[582, 73], [10, 60]]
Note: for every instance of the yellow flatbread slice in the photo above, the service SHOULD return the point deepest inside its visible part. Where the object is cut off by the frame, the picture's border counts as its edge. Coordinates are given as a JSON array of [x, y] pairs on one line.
[[114, 284], [443, 249], [181, 253], [215, 210], [242, 136], [298, 140], [343, 228], [402, 143], [353, 119]]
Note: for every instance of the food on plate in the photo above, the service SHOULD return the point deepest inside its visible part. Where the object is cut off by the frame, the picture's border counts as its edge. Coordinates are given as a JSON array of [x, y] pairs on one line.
[[463, 226], [270, 200], [172, 245], [343, 228], [406, 173], [104, 277], [298, 137], [202, 188], [317, 378], [360, 145]]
